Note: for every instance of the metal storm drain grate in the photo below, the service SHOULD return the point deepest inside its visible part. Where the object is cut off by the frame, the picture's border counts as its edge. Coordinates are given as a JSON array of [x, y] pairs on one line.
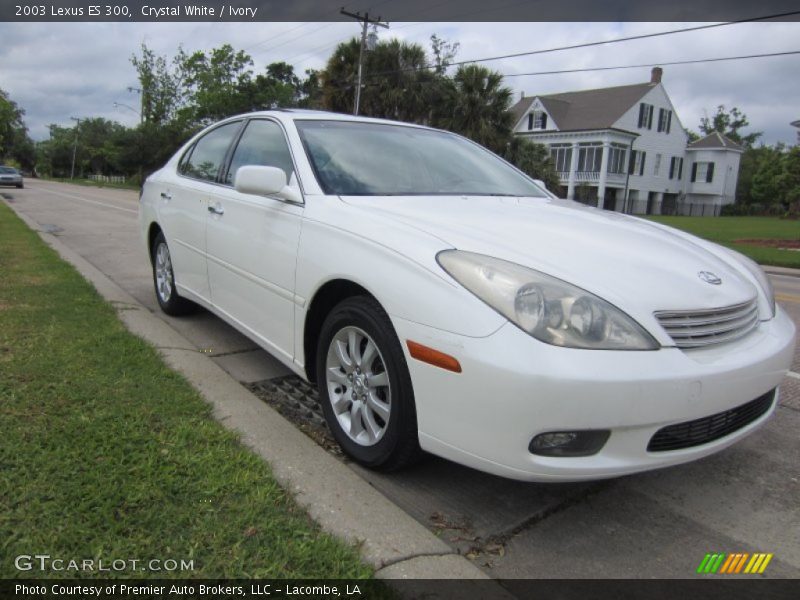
[[298, 401]]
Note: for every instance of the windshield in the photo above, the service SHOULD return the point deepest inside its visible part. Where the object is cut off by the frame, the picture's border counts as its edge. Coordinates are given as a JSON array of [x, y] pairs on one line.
[[372, 159], [8, 170]]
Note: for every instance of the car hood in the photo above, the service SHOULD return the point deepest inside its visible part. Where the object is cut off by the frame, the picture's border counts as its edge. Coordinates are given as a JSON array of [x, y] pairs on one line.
[[639, 266]]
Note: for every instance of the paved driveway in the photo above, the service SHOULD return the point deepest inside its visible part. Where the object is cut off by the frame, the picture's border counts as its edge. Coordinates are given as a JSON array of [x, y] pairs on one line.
[[659, 524]]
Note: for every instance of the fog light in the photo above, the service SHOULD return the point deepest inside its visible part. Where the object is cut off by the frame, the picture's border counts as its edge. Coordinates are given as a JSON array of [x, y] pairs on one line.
[[569, 443]]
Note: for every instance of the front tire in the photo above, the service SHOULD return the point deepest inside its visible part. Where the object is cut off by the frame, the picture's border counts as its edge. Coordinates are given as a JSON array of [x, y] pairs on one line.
[[365, 387], [164, 280]]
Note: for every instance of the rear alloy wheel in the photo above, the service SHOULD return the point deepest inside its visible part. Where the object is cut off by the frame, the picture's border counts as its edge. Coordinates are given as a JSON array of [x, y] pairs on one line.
[[164, 280], [365, 387]]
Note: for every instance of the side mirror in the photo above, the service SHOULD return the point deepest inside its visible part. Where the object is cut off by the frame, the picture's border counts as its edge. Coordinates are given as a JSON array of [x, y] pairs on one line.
[[265, 181]]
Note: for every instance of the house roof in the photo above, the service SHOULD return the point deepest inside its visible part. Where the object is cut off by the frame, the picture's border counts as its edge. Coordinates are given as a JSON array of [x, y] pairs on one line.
[[715, 140], [586, 109]]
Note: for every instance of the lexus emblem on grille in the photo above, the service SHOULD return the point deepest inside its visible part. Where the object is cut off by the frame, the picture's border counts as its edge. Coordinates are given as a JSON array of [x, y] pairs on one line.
[[709, 277]]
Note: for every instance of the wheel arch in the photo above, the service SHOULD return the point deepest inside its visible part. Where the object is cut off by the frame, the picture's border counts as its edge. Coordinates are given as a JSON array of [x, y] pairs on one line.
[[152, 232], [322, 303]]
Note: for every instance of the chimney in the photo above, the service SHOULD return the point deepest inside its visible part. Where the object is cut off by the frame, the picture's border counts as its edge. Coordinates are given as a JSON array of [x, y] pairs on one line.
[[655, 75]]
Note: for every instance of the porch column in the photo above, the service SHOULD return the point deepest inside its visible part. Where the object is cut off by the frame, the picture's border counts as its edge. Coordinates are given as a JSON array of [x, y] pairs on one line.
[[601, 185], [658, 202], [573, 169]]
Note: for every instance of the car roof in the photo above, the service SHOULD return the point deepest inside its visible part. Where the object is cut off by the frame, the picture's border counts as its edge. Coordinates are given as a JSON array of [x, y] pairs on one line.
[[297, 114]]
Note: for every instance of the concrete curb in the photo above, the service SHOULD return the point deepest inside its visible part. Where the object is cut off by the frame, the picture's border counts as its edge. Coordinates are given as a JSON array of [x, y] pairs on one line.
[[343, 504], [786, 272]]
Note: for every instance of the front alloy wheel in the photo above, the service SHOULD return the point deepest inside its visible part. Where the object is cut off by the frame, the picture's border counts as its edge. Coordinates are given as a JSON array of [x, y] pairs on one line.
[[365, 386], [358, 386]]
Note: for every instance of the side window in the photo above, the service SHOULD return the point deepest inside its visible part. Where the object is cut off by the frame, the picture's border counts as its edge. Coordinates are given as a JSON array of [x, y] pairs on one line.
[[184, 161], [209, 152], [263, 144]]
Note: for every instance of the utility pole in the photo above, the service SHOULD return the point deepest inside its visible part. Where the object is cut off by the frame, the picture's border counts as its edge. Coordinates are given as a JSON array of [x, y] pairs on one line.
[[75, 146], [139, 91], [365, 22]]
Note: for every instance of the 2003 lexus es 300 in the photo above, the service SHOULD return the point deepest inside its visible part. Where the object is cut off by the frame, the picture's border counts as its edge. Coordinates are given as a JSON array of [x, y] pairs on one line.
[[442, 301]]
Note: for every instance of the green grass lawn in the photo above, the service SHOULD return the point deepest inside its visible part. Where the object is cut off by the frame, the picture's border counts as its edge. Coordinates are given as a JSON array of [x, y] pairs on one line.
[[106, 453], [726, 230]]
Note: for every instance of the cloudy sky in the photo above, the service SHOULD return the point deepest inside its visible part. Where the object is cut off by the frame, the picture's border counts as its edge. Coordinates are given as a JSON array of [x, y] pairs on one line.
[[58, 70]]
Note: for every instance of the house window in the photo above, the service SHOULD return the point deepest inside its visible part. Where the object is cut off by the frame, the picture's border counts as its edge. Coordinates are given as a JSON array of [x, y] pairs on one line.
[[645, 116], [676, 168], [590, 158], [616, 158], [703, 171], [636, 163], [537, 120], [657, 166], [664, 120], [561, 155]]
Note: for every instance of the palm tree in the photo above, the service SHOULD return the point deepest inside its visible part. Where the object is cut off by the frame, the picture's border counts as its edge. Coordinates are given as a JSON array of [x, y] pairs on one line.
[[477, 107], [338, 79]]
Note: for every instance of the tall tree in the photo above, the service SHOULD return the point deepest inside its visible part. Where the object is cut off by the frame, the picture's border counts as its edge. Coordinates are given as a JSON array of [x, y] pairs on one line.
[[477, 107], [396, 81], [15, 144], [790, 178], [217, 84], [767, 185], [311, 90], [161, 87], [278, 87], [730, 123], [444, 52], [532, 159]]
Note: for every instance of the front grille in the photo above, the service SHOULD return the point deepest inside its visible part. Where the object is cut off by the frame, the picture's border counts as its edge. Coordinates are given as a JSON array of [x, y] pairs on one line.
[[708, 429], [695, 328]]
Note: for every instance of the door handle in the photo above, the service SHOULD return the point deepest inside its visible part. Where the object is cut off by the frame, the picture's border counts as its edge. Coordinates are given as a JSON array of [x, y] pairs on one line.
[[166, 195], [216, 209]]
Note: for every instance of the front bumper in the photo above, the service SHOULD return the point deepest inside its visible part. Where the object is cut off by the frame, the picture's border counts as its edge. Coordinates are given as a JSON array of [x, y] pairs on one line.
[[514, 387], [10, 180]]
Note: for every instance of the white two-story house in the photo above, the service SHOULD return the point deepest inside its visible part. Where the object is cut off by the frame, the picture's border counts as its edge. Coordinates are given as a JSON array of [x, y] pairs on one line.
[[624, 148]]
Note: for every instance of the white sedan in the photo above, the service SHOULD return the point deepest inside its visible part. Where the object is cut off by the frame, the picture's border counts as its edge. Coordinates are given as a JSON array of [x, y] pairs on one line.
[[444, 302]]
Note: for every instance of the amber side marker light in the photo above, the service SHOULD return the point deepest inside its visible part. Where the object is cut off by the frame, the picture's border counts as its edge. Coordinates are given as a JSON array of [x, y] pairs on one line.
[[433, 357]]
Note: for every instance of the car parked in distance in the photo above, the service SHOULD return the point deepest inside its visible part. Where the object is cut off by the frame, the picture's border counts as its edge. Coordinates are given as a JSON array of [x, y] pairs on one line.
[[442, 301], [10, 176]]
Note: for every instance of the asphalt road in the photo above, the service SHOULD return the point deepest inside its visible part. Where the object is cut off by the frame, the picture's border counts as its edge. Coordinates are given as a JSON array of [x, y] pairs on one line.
[[658, 524]]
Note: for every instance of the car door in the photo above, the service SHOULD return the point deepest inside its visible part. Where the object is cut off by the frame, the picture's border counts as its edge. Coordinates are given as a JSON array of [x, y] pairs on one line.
[[252, 242], [183, 207]]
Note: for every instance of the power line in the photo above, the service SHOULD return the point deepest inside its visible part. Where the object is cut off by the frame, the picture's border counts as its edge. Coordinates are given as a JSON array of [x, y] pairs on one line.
[[315, 50], [277, 35], [658, 64], [294, 39], [596, 43], [610, 68], [269, 39]]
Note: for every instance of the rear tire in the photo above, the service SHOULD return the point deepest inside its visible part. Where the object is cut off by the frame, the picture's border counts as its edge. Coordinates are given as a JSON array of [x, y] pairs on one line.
[[164, 280], [365, 386]]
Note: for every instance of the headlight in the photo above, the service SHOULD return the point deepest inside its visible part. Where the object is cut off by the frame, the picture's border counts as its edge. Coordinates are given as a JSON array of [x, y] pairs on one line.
[[551, 310]]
